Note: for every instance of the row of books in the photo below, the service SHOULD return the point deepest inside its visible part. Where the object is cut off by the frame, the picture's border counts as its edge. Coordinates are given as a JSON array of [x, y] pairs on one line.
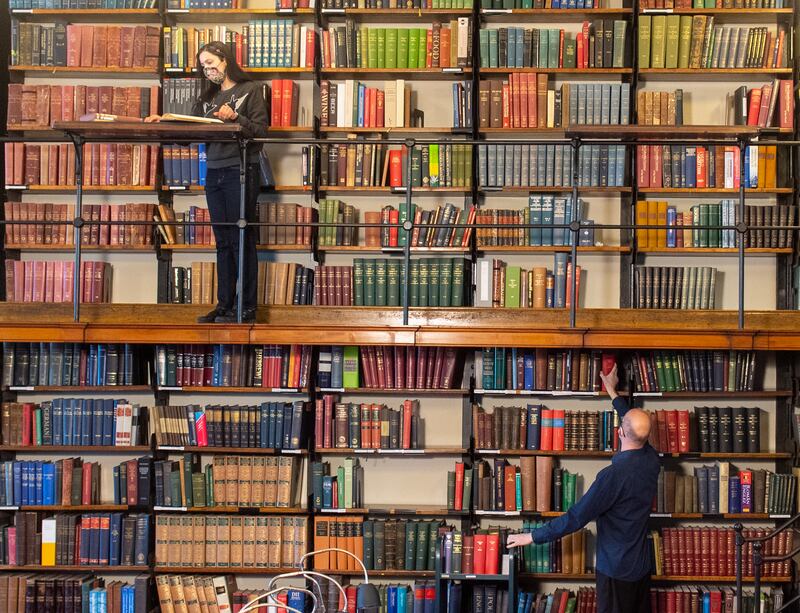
[[52, 281], [275, 213], [539, 428], [190, 228], [388, 367], [44, 227], [483, 597], [396, 4], [694, 41], [41, 105], [288, 283], [539, 288], [229, 541], [536, 484], [337, 212], [599, 44], [262, 43], [212, 594], [359, 46], [72, 421], [68, 482], [709, 551], [472, 554], [271, 425], [180, 94], [756, 107], [696, 371], [132, 479], [338, 487], [564, 555], [663, 600], [392, 219], [710, 4], [74, 593], [350, 425], [511, 368], [193, 284], [354, 104], [72, 364], [97, 539], [184, 164], [707, 430], [284, 99], [84, 45], [676, 287], [550, 165], [660, 108], [118, 164], [542, 211], [229, 481], [700, 167], [462, 104], [233, 365], [714, 490], [399, 544], [582, 600]]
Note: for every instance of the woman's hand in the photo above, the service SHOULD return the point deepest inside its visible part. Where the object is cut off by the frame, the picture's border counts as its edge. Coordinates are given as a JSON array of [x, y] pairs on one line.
[[226, 113], [519, 540], [152, 119]]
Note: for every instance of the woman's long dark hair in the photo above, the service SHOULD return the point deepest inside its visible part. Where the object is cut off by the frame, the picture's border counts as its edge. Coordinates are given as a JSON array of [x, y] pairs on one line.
[[234, 72]]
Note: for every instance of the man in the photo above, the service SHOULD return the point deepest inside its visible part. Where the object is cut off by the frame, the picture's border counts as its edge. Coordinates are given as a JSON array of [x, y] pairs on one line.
[[619, 500]]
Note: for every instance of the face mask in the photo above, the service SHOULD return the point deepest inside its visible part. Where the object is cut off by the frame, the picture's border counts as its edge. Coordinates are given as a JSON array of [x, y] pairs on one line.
[[214, 75]]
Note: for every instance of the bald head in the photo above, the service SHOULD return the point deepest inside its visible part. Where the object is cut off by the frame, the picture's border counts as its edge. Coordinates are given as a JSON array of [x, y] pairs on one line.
[[636, 426]]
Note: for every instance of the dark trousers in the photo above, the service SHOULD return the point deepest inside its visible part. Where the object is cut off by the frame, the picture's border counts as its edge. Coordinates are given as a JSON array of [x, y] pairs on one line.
[[222, 196], [617, 596]]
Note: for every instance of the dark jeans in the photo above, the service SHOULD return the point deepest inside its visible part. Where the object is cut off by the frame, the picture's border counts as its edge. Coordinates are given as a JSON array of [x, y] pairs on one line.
[[222, 196], [617, 596]]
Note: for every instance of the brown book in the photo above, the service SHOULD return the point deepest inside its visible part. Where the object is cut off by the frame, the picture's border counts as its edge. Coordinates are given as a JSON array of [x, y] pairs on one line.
[[495, 104], [544, 473]]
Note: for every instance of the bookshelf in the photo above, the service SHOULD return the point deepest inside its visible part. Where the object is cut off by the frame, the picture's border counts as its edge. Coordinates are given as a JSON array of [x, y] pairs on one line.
[[600, 322]]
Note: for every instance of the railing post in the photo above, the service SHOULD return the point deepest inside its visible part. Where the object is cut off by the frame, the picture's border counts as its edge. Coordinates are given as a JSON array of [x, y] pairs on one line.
[[242, 225], [757, 561], [77, 225], [740, 209], [738, 529], [573, 305], [410, 144]]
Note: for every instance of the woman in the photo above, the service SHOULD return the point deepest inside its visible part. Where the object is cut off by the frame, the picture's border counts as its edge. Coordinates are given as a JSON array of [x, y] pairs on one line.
[[230, 95]]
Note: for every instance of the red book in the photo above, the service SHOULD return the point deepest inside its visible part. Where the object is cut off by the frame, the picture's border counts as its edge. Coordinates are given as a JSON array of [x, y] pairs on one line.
[[506, 105], [407, 406], [558, 429], [546, 443], [643, 165], [289, 103], [395, 168], [510, 493], [86, 484], [492, 566], [672, 431], [479, 555], [655, 166], [683, 431], [468, 556], [786, 104], [394, 219], [702, 167], [609, 360], [277, 100], [430, 596], [663, 431], [753, 108], [379, 108], [459, 493]]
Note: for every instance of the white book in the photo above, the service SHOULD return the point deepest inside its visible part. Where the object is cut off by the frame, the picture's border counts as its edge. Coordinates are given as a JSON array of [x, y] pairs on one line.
[[729, 170], [390, 104], [347, 110], [340, 104], [400, 98], [463, 37], [303, 34], [752, 151], [724, 474]]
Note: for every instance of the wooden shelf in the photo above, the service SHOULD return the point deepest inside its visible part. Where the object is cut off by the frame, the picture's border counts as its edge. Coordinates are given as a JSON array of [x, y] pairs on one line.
[[213, 248], [692, 455], [748, 13], [714, 250], [87, 449], [516, 190], [80, 508], [221, 389], [590, 577], [689, 394], [694, 191], [33, 248], [230, 450], [78, 389], [553, 249], [411, 453], [296, 71], [706, 73], [382, 73], [233, 510], [556, 15], [87, 189], [389, 250], [97, 71], [424, 510], [227, 570], [85, 15], [384, 130], [385, 189], [711, 516], [661, 132], [411, 574], [99, 569], [234, 15], [589, 72], [399, 391], [404, 14], [290, 129], [557, 393]]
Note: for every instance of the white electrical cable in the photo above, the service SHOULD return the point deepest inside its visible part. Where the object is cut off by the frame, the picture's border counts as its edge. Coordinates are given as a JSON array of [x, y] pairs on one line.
[[308, 575], [327, 549], [271, 593]]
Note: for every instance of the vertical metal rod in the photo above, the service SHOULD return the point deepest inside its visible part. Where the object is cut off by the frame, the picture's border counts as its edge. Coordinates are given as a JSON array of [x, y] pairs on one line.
[[242, 223], [573, 305], [738, 527], [410, 144], [77, 225], [740, 254], [757, 574]]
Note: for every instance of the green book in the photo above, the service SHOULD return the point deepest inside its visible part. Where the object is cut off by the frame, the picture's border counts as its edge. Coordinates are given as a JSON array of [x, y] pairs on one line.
[[402, 47], [340, 487], [660, 373], [483, 46], [381, 59], [433, 530], [360, 55], [209, 477], [658, 41], [372, 48], [457, 289], [350, 367], [620, 38], [685, 42], [368, 544], [348, 482], [716, 220], [379, 539], [433, 165], [704, 221], [199, 489], [422, 546], [468, 165], [645, 24], [187, 479], [38, 418], [175, 487], [570, 59], [411, 538], [433, 282], [422, 48], [553, 47], [413, 298], [451, 490], [673, 37], [467, 499], [358, 281], [369, 282], [445, 281], [380, 282], [413, 47], [512, 286], [354, 115], [391, 48], [393, 283], [424, 277]]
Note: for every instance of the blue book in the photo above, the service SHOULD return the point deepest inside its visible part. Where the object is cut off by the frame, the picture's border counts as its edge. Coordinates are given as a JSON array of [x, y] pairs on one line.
[[560, 273], [362, 90], [690, 167], [98, 413], [559, 218], [68, 421], [94, 541], [216, 365], [391, 599], [103, 539], [535, 213], [734, 495], [514, 368], [671, 220], [285, 442], [296, 600], [17, 469], [117, 491], [278, 425], [202, 164], [38, 495], [549, 292], [272, 418], [58, 421], [87, 406], [547, 219], [534, 426], [263, 423], [327, 492], [100, 376], [337, 366], [528, 361], [402, 594], [48, 483], [115, 538], [93, 601]]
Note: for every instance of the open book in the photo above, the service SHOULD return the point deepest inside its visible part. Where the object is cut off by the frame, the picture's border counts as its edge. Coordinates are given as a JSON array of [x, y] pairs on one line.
[[192, 118]]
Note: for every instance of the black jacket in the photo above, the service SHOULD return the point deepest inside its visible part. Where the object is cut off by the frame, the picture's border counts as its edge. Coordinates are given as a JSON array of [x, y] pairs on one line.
[[247, 99]]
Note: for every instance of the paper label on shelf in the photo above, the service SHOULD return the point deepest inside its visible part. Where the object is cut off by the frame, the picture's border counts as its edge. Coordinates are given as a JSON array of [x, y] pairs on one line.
[[333, 11], [332, 389], [660, 514], [177, 11], [286, 10], [169, 388], [488, 451], [779, 516], [181, 509], [9, 508], [21, 388], [402, 451], [657, 11], [334, 510], [648, 394], [170, 447], [17, 187], [175, 187], [285, 390], [496, 11], [360, 450], [22, 11], [502, 513], [470, 576], [453, 70], [291, 451]]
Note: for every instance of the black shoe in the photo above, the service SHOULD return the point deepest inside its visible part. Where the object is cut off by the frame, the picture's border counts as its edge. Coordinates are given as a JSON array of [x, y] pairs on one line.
[[229, 317], [211, 316]]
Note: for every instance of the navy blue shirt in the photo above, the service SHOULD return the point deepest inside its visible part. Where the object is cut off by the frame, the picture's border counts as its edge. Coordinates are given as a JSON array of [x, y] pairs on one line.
[[619, 500]]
